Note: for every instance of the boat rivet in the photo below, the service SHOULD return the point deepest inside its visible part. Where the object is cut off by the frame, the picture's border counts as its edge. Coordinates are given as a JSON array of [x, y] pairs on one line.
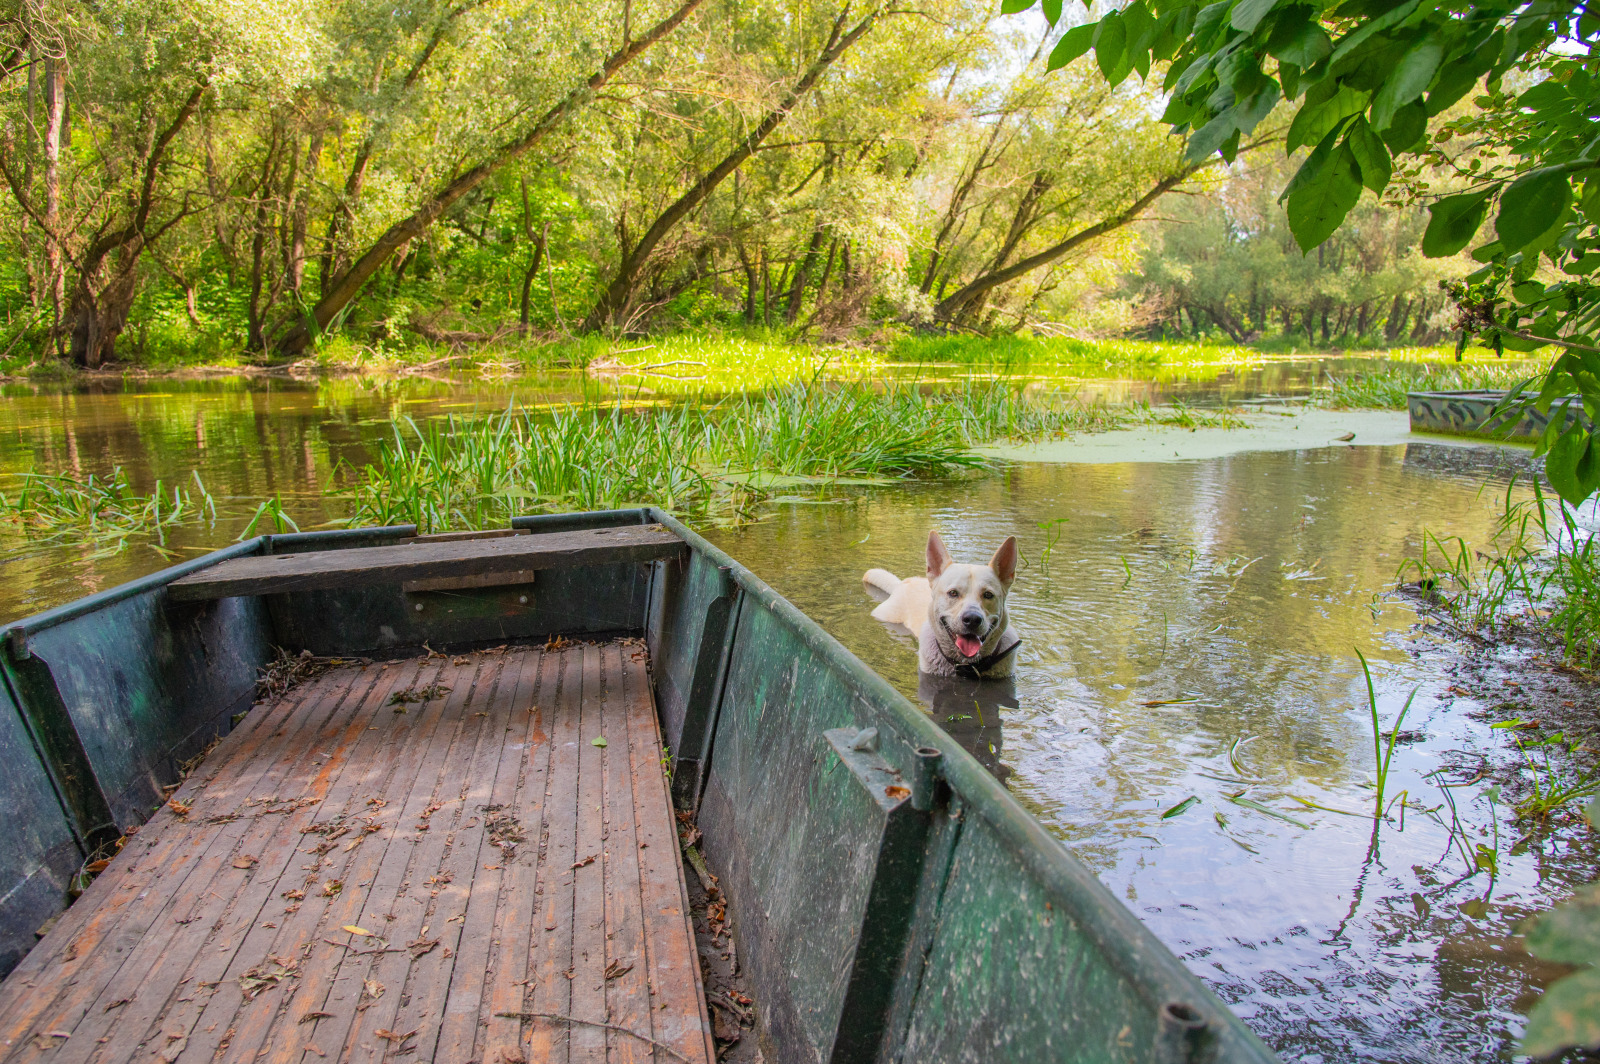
[[522, 599], [419, 607]]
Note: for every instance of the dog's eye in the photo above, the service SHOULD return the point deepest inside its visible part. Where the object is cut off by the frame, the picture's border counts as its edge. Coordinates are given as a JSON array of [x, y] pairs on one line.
[[988, 594], [953, 593]]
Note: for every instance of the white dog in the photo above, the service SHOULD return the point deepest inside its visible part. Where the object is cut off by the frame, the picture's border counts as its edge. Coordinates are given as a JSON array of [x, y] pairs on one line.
[[958, 611]]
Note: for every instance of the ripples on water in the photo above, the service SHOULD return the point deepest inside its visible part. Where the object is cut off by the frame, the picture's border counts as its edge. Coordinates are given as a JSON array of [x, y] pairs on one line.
[[1236, 592], [1192, 633]]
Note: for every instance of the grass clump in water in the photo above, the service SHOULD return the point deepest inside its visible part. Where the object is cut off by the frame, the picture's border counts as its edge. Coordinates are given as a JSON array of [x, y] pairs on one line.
[[1385, 387], [105, 510], [716, 460]]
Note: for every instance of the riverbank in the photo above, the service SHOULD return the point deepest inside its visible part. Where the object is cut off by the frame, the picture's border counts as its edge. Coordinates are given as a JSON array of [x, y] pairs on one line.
[[753, 358]]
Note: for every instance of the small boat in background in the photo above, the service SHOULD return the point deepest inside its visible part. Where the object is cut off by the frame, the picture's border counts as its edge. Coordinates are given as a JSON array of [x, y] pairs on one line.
[[1479, 414], [459, 836]]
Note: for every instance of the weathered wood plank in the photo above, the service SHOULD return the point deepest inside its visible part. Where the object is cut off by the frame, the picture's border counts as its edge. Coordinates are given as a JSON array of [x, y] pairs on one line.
[[527, 945], [370, 566], [627, 967], [681, 1021]]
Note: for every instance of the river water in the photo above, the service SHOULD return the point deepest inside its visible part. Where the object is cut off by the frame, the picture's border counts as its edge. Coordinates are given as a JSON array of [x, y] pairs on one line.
[[1191, 632]]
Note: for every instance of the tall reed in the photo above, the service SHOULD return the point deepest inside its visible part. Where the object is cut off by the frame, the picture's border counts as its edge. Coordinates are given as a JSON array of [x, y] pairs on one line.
[[715, 460]]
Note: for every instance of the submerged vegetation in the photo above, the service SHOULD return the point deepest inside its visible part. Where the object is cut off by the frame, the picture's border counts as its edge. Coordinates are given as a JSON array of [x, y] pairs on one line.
[[715, 460], [104, 510]]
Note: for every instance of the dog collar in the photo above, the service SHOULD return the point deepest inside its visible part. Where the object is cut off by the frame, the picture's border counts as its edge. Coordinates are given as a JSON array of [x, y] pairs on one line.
[[976, 669]]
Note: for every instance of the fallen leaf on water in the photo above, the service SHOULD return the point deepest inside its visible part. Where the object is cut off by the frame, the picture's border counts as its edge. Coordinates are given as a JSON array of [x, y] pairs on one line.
[[354, 930], [1178, 809], [1347, 437]]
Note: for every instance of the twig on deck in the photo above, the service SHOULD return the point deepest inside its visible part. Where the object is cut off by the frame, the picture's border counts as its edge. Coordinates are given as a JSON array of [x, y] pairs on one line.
[[525, 1016]]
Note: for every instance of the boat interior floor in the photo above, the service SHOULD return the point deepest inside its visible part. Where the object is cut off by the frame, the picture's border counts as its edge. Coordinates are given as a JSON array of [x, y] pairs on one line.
[[454, 857]]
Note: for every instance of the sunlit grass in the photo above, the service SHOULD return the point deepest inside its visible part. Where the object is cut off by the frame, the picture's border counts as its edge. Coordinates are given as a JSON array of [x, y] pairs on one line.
[[105, 511], [1384, 387], [716, 460]]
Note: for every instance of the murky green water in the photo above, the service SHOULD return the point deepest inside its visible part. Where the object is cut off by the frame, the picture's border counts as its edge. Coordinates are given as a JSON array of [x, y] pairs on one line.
[[1191, 633]]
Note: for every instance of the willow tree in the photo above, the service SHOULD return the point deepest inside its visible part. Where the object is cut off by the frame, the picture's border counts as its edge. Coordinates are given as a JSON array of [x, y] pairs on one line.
[[491, 107], [106, 164]]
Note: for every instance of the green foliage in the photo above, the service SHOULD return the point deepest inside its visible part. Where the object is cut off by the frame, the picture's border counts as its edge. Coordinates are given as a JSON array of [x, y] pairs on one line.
[[1362, 80], [710, 460], [1568, 1014]]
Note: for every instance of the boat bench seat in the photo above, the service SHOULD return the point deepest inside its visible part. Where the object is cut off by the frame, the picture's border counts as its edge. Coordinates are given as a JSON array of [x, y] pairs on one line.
[[430, 563]]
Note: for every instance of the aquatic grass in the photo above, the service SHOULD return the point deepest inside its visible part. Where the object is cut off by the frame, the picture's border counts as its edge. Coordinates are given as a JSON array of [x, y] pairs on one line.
[[1018, 351], [1551, 785], [1382, 752], [715, 460], [1538, 570], [104, 510], [1384, 386]]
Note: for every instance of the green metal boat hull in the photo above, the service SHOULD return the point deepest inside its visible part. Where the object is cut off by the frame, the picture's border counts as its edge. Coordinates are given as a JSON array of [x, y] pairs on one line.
[[892, 902]]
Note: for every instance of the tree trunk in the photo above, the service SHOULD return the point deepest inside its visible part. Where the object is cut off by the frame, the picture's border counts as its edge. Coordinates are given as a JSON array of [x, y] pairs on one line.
[[55, 100], [532, 271], [797, 290], [749, 284], [1399, 310], [612, 306], [296, 266], [949, 307], [347, 285]]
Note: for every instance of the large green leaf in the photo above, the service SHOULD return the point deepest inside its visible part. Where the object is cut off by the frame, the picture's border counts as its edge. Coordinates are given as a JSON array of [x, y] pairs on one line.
[[1572, 466], [1247, 14], [1317, 206], [1406, 127], [1569, 933], [1299, 40], [1012, 7], [1110, 40], [1567, 1015], [1410, 78], [1051, 9], [1072, 44], [1326, 106], [1371, 155], [1452, 223], [1531, 206]]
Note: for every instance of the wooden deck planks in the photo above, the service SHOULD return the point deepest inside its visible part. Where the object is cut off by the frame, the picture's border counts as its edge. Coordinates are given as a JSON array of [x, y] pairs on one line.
[[453, 828]]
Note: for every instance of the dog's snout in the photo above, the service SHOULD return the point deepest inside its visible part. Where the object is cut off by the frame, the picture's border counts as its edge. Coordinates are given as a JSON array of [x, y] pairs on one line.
[[972, 619]]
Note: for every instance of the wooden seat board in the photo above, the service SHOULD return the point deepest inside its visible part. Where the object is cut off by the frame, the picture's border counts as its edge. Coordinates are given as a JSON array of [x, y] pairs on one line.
[[486, 943], [271, 574]]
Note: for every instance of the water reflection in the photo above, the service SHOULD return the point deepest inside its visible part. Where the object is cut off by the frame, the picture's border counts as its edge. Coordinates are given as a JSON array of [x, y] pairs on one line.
[[1193, 635], [969, 711]]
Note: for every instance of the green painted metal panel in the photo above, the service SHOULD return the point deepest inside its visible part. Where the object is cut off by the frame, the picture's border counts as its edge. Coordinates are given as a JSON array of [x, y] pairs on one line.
[[1478, 414], [1014, 950], [147, 686], [692, 609], [39, 851]]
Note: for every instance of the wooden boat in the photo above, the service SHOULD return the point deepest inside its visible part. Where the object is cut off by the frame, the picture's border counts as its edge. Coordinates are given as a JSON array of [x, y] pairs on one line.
[[465, 847], [1477, 414]]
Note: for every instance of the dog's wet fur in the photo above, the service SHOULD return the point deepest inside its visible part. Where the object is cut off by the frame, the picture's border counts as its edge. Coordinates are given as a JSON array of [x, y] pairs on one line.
[[958, 611]]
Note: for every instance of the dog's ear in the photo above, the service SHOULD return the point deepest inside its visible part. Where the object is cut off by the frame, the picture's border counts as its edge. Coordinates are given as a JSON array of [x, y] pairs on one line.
[[938, 557], [1004, 562]]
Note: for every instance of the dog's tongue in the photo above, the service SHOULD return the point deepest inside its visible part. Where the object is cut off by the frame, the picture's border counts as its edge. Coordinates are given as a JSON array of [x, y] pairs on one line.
[[968, 646]]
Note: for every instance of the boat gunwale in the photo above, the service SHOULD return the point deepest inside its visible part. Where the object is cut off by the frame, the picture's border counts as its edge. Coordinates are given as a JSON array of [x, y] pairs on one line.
[[1124, 940]]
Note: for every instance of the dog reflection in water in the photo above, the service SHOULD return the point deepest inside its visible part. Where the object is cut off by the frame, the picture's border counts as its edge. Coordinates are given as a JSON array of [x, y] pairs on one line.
[[969, 711]]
